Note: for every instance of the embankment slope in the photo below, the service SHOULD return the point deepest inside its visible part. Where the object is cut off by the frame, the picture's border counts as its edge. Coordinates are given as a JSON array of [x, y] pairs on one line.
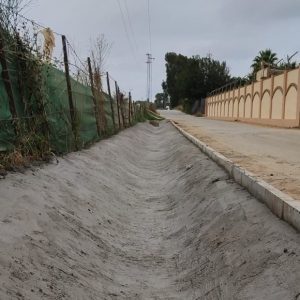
[[143, 215]]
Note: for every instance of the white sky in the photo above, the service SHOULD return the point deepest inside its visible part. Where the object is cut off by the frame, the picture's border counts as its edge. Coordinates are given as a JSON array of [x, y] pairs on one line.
[[231, 30]]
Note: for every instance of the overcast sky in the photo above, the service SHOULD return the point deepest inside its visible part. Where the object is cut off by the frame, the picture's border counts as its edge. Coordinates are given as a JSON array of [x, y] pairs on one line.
[[230, 30]]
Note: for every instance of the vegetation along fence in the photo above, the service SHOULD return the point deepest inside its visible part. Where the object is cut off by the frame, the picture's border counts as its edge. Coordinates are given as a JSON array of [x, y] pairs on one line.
[[54, 104], [273, 101]]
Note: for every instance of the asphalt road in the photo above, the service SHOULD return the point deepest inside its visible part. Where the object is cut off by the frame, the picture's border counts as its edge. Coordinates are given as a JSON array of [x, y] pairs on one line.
[[143, 215], [271, 153]]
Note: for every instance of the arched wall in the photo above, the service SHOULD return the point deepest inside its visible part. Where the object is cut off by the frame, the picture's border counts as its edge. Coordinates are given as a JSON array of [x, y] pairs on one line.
[[230, 108], [226, 109], [241, 107], [290, 111], [277, 102], [274, 101], [248, 105], [266, 105], [235, 107], [255, 106]]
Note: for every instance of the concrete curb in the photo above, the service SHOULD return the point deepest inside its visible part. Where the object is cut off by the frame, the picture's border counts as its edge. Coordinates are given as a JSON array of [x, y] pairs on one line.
[[282, 205]]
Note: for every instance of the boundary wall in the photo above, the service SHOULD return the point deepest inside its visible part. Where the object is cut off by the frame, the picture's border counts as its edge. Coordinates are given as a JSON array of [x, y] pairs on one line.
[[273, 101]]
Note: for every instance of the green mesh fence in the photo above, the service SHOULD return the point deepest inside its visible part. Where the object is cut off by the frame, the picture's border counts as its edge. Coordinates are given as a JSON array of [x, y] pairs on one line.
[[37, 119], [62, 138], [7, 135], [7, 130], [61, 133]]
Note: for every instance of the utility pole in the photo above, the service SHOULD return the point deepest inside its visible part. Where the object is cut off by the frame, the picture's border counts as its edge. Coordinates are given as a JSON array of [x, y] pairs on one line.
[[149, 75]]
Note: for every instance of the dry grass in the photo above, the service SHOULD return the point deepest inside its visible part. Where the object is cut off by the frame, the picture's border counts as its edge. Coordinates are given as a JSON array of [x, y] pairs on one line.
[[152, 108], [12, 159], [198, 114], [179, 107], [154, 123]]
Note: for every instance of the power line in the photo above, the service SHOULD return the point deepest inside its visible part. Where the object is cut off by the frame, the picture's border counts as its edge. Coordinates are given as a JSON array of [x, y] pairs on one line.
[[29, 20], [76, 55], [149, 56], [126, 31], [130, 24], [149, 25]]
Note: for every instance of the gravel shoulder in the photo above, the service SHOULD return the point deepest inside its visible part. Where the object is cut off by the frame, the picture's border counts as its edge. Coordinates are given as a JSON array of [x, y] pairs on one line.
[[143, 215]]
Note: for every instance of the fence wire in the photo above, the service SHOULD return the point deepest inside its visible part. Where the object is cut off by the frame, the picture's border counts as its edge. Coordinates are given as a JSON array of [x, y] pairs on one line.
[[42, 109]]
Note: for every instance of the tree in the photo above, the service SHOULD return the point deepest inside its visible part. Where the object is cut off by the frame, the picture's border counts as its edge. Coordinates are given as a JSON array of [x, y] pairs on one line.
[[100, 49], [190, 79], [161, 100], [175, 69], [264, 57], [9, 10]]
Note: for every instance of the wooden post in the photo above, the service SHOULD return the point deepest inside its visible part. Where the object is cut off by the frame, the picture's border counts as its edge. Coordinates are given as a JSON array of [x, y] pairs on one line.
[[122, 108], [69, 89], [118, 104], [111, 101], [129, 109], [7, 84], [140, 110], [133, 110], [94, 97]]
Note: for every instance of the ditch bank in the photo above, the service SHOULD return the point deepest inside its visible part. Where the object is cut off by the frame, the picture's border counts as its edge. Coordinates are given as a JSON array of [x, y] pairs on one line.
[[142, 215]]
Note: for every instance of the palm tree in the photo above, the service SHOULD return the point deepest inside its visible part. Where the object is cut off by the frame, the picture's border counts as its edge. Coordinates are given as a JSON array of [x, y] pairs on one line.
[[264, 57]]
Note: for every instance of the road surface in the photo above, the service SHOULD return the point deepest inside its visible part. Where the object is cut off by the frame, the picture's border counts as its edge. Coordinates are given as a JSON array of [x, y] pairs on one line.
[[143, 215], [271, 153]]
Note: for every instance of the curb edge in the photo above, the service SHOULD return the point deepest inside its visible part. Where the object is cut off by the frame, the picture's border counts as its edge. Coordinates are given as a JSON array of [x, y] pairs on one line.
[[281, 204]]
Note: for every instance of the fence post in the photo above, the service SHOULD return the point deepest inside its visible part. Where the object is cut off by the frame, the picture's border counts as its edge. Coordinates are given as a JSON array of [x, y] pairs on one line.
[[94, 97], [69, 88], [111, 101], [122, 107], [7, 84], [118, 104], [129, 108], [140, 110], [134, 110]]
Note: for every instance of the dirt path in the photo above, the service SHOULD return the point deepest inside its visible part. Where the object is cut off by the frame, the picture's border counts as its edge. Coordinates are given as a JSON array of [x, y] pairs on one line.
[[271, 153], [143, 215]]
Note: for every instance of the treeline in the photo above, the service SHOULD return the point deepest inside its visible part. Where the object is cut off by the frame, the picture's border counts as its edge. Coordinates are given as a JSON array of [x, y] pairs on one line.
[[190, 79]]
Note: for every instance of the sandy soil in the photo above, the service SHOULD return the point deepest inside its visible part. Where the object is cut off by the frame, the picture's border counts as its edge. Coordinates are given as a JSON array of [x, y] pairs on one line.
[[143, 215], [271, 153]]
